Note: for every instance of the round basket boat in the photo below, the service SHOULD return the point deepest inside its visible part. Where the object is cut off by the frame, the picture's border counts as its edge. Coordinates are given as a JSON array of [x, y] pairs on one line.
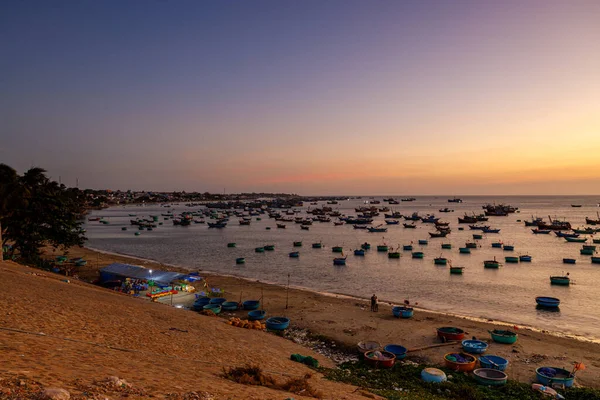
[[363, 347], [218, 300], [380, 359], [450, 333], [553, 375], [493, 362], [229, 306], [256, 315], [465, 362], [200, 302], [548, 302], [491, 377], [251, 304], [433, 375], [503, 336], [474, 346], [278, 323], [402, 312], [397, 350], [215, 308]]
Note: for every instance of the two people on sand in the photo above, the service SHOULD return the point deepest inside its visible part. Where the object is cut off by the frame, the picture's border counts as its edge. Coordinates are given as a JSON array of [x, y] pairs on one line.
[[374, 305]]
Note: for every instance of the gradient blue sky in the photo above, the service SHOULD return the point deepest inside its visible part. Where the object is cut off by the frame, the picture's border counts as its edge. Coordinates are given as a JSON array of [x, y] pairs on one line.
[[314, 97]]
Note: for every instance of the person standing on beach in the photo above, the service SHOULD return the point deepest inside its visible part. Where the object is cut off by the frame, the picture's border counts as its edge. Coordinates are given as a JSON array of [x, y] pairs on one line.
[[374, 305]]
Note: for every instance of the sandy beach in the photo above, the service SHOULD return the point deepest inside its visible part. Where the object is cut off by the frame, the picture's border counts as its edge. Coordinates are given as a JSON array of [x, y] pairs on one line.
[[349, 320]]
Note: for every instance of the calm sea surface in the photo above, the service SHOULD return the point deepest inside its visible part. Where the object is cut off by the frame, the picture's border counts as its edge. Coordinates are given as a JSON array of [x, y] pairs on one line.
[[507, 294]]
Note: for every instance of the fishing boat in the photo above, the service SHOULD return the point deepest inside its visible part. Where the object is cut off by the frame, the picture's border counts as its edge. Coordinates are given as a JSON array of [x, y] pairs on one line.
[[569, 261], [409, 226], [378, 228], [511, 259], [231, 244], [595, 260], [489, 230], [337, 249], [477, 236], [586, 231], [575, 239], [392, 221], [317, 245], [294, 254], [365, 246], [281, 226], [471, 245], [240, 260], [339, 261], [244, 222], [407, 247], [503, 336], [456, 270], [440, 261], [418, 254], [591, 221], [338, 223], [359, 252], [382, 247], [589, 247], [548, 302], [446, 246], [587, 252], [497, 245], [490, 377], [124, 228], [297, 244], [394, 254], [525, 258], [464, 250], [439, 234], [560, 280], [491, 263], [211, 224], [270, 247], [538, 231], [259, 249], [455, 200], [467, 219], [555, 225], [575, 205], [429, 219], [596, 241], [423, 242], [479, 227], [564, 235], [413, 217], [555, 376], [508, 247], [402, 312], [445, 210]]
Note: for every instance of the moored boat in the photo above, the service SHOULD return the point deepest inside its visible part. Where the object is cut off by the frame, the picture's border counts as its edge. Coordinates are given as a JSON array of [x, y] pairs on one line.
[[491, 263], [575, 239], [508, 247], [240, 260], [339, 261], [525, 258], [409, 226], [365, 246], [337, 249], [382, 247], [440, 261], [569, 261], [394, 254], [407, 247], [294, 254], [511, 259], [259, 249], [497, 245], [503, 336], [538, 231], [270, 247], [418, 254], [554, 376], [450, 333], [359, 252], [490, 376], [297, 244], [457, 270], [560, 280], [423, 242], [464, 250], [548, 302], [595, 260], [446, 246]]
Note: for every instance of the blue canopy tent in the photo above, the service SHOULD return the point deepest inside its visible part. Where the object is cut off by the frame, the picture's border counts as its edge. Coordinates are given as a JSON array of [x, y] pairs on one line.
[[118, 271]]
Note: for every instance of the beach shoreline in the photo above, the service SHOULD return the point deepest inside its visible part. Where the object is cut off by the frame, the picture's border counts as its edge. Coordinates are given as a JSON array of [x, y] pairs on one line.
[[346, 320], [493, 321]]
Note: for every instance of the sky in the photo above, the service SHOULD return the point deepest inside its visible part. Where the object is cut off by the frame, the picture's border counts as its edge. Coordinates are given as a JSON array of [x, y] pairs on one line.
[[324, 97]]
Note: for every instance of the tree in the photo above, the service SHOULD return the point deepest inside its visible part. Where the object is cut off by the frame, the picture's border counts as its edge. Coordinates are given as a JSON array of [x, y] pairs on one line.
[[35, 211]]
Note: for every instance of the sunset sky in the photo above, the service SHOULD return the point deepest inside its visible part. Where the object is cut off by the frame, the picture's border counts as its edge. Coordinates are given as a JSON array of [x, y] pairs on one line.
[[311, 97]]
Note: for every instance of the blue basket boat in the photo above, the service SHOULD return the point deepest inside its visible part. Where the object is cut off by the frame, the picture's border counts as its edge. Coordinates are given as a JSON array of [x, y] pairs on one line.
[[294, 254], [474, 346], [277, 323], [553, 375], [423, 241], [397, 350], [402, 312], [218, 300], [548, 302], [200, 302], [493, 362], [229, 306], [433, 375], [569, 261], [251, 304], [216, 308], [256, 315], [407, 247], [360, 252]]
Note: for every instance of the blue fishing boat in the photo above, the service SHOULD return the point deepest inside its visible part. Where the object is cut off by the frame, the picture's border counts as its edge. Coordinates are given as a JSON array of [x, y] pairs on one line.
[[491, 230], [215, 308], [446, 246], [294, 254], [548, 302], [410, 226], [474, 346], [251, 304], [402, 312], [507, 247], [397, 350], [317, 245], [240, 260], [392, 221], [497, 245], [231, 244], [339, 261], [553, 375], [407, 247], [377, 228], [565, 235], [440, 261], [423, 241], [359, 252], [277, 323], [525, 258], [382, 247], [256, 315], [541, 231], [569, 261]]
